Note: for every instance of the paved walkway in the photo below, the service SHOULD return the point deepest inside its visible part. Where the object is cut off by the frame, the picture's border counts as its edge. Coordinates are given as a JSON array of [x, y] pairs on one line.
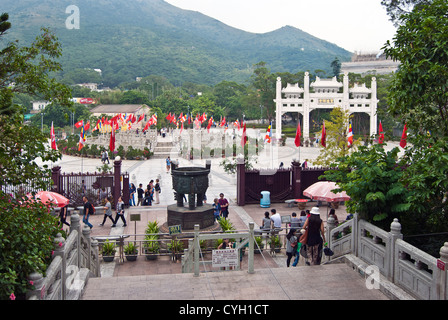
[[272, 280]]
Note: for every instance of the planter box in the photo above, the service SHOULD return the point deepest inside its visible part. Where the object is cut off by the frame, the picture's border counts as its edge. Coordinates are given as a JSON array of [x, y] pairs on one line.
[[131, 257], [108, 258]]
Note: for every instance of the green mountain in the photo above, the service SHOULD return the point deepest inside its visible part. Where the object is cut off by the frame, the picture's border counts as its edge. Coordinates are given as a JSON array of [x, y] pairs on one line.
[[129, 39]]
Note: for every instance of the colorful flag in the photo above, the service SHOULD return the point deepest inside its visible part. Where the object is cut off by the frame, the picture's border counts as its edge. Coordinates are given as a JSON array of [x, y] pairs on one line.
[[298, 135], [244, 137], [210, 122], [404, 136], [381, 136], [53, 138], [112, 140], [267, 138], [79, 124], [142, 116], [350, 135], [323, 138], [82, 139]]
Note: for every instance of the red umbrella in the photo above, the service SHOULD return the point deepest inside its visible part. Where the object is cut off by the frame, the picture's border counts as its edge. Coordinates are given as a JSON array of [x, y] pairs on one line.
[[321, 191], [55, 198]]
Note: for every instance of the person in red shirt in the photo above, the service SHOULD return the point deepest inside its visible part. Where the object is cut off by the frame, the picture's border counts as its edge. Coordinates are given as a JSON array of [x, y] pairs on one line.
[[224, 206]]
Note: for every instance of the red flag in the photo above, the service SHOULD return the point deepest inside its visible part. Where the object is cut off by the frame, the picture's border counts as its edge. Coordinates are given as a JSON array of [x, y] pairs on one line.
[[323, 138], [112, 140], [210, 122], [53, 138], [87, 126], [182, 127], [381, 136], [79, 124], [404, 136], [244, 137], [141, 118], [298, 136]]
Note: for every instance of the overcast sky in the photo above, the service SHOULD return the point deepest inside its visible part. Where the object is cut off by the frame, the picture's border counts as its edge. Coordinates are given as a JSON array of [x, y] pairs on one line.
[[355, 25]]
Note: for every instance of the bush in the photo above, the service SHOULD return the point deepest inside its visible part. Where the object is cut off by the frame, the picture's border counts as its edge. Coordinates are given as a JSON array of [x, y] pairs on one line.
[[27, 231]]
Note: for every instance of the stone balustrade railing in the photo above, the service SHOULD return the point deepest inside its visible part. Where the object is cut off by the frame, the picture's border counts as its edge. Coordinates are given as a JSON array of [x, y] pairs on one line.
[[409, 268], [75, 260]]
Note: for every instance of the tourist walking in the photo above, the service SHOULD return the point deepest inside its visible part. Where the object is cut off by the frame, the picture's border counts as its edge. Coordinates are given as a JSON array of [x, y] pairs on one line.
[[157, 191], [216, 209], [291, 245], [224, 204], [168, 164], [132, 191], [295, 222], [88, 209], [140, 193], [316, 236], [120, 213], [63, 216], [108, 212]]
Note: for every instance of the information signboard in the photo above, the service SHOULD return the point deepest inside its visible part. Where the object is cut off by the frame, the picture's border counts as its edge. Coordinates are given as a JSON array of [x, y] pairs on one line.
[[225, 258]]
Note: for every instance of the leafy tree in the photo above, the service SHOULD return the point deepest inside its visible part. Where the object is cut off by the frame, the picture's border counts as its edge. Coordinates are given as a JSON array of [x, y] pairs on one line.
[[26, 228], [372, 178], [336, 66], [264, 82], [336, 140], [26, 69], [397, 8], [419, 97]]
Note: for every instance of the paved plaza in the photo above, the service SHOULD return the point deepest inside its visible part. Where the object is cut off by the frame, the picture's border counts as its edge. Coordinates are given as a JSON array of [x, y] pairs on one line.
[[138, 280]]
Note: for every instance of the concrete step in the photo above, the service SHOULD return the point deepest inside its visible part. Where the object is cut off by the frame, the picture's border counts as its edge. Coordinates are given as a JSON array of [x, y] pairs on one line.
[[325, 282]]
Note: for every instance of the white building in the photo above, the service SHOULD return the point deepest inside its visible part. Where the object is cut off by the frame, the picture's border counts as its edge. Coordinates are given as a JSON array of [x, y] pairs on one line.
[[324, 94], [39, 105]]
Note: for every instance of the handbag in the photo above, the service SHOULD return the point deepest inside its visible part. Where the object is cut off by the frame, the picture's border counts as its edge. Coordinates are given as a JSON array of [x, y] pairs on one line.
[[303, 252], [304, 237]]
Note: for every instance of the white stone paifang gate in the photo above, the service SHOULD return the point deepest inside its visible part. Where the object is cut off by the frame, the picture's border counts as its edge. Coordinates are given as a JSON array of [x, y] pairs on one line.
[[326, 94]]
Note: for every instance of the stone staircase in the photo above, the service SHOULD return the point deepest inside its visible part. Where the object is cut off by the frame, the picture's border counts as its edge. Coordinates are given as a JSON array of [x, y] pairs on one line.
[[163, 148]]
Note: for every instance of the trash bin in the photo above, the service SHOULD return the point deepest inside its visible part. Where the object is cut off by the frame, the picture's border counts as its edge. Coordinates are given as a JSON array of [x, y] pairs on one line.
[[265, 201]]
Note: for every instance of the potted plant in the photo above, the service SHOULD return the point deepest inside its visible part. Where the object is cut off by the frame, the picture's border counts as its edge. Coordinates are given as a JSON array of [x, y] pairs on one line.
[[176, 247], [259, 245], [275, 244], [131, 251], [152, 246], [108, 251]]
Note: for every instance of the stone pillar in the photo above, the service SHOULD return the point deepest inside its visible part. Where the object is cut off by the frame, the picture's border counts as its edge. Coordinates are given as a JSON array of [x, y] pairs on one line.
[[55, 176], [306, 106], [373, 109], [86, 233], [117, 180], [278, 109], [59, 250], [75, 225], [241, 181], [38, 292], [395, 233], [296, 179], [442, 277]]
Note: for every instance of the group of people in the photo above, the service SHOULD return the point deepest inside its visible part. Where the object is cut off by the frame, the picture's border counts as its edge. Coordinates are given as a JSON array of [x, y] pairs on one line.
[[145, 197], [89, 209], [221, 207], [306, 231]]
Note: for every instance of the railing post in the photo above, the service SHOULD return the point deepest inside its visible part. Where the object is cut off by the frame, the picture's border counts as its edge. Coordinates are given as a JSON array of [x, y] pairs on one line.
[[95, 249], [75, 225], [395, 233], [38, 293], [442, 279], [196, 250], [86, 233], [251, 248], [59, 250]]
